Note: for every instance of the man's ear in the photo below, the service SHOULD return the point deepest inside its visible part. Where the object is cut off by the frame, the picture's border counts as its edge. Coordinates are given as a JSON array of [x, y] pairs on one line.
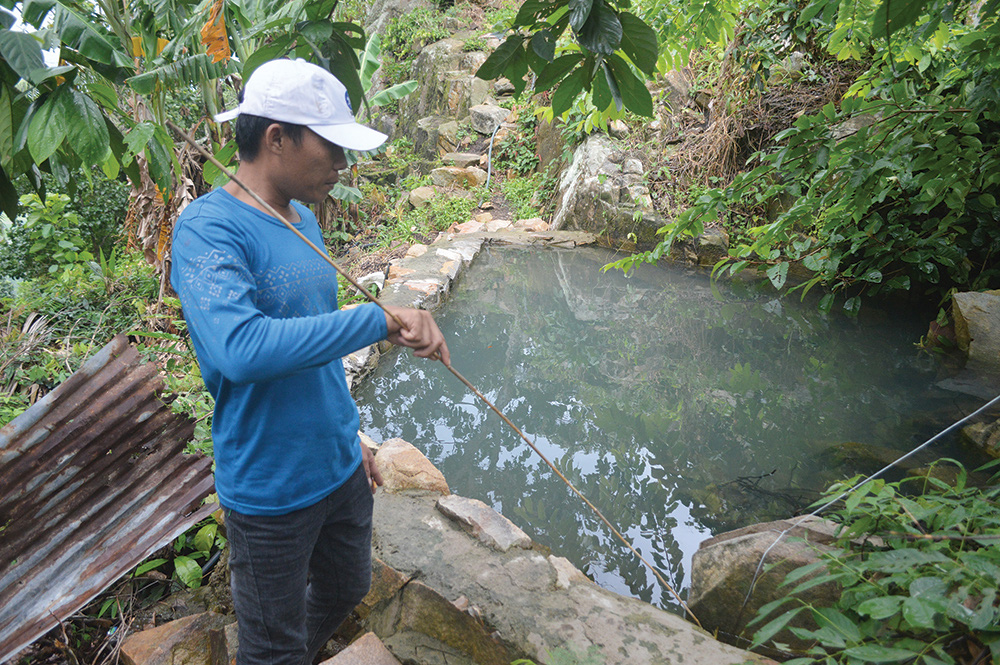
[[274, 139]]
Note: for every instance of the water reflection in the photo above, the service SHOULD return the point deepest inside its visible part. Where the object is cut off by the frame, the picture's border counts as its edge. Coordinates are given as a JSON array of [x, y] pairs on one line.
[[680, 410]]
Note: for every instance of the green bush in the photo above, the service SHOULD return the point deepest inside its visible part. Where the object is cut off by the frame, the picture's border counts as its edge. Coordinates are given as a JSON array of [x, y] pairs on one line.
[[895, 186], [101, 207], [405, 36], [47, 237], [520, 194], [420, 223], [85, 305], [918, 562]]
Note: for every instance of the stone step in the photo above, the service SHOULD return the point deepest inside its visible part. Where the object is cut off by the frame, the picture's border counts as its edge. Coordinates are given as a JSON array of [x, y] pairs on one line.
[[366, 650]]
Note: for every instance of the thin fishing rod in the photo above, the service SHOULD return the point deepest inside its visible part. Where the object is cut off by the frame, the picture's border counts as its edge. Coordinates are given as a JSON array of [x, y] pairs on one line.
[[232, 176]]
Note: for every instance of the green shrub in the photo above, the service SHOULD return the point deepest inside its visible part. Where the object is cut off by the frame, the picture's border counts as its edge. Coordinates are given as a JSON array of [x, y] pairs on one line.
[[46, 238], [918, 562], [420, 223], [404, 37], [521, 193], [84, 307], [101, 207]]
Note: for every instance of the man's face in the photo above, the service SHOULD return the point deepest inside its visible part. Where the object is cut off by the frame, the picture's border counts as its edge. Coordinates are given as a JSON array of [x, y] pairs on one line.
[[312, 167]]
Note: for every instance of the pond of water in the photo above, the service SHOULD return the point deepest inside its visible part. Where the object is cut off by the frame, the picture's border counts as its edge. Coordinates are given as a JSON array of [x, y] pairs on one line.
[[680, 409]]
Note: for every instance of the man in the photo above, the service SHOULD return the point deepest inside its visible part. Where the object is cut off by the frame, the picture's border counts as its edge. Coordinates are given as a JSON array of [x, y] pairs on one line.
[[261, 306]]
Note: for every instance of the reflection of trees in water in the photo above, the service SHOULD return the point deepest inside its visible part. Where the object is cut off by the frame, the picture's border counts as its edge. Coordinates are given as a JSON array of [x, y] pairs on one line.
[[649, 393]]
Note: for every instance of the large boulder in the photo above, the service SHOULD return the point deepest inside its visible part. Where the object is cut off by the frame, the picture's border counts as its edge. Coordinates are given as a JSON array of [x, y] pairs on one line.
[[597, 195], [434, 136], [199, 639], [977, 328], [403, 467], [420, 625], [724, 593], [446, 84]]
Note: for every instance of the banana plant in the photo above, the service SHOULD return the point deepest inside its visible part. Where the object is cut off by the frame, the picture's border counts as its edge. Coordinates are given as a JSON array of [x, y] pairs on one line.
[[371, 60]]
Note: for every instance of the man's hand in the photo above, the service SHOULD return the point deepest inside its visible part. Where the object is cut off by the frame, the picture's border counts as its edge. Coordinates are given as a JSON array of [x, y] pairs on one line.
[[368, 461], [418, 332]]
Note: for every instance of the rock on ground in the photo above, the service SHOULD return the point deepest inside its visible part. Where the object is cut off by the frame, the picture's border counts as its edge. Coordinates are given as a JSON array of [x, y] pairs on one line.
[[366, 650], [723, 570], [404, 467], [977, 328], [535, 603], [198, 639]]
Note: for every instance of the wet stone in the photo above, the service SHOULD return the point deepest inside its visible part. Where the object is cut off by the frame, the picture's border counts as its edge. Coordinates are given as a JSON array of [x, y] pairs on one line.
[[489, 526], [421, 196], [404, 467], [462, 159], [486, 117], [366, 650]]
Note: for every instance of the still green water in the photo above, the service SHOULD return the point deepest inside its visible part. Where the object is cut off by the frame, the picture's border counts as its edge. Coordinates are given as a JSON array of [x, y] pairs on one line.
[[680, 410]]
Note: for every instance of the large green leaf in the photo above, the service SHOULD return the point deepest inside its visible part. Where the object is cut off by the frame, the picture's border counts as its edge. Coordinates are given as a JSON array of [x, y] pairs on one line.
[[82, 35], [556, 70], [498, 61], [606, 89], [343, 63], [275, 49], [47, 127], [315, 31], [518, 69], [23, 53], [136, 141], [101, 91], [564, 95], [7, 20], [192, 69], [161, 159], [117, 143], [635, 96], [352, 33], [33, 12], [8, 195], [872, 653], [321, 10], [602, 95], [639, 43], [88, 132], [393, 93], [532, 11], [602, 33], [543, 43], [892, 15], [6, 128], [579, 12], [370, 60], [188, 571], [215, 176]]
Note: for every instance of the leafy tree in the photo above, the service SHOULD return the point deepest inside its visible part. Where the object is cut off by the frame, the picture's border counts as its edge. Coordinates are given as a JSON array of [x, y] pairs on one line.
[[895, 188]]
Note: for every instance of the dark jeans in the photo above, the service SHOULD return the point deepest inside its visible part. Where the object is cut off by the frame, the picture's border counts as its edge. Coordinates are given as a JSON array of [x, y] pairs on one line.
[[296, 577]]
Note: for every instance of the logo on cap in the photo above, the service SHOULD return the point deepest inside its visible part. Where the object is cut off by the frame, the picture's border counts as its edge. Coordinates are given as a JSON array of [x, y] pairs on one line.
[[347, 98]]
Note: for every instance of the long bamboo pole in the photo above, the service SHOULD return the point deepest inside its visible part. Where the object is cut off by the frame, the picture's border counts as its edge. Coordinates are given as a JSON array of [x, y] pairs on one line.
[[207, 155]]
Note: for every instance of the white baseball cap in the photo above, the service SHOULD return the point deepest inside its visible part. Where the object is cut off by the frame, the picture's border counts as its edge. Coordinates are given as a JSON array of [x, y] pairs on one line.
[[302, 93]]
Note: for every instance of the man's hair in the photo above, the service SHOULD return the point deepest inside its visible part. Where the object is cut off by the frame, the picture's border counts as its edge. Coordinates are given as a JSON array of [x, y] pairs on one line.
[[250, 130]]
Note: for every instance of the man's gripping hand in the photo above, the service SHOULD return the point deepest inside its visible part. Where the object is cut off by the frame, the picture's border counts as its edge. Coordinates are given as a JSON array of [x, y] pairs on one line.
[[371, 470], [418, 332]]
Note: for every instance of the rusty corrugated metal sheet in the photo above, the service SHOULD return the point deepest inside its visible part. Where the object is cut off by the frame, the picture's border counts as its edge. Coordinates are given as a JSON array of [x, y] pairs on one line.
[[93, 480]]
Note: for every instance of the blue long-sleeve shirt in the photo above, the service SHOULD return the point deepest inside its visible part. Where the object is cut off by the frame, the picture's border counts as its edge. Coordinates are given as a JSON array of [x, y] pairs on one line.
[[261, 308]]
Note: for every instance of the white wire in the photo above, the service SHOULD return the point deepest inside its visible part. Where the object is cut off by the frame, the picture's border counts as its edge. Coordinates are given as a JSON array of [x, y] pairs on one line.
[[803, 518]]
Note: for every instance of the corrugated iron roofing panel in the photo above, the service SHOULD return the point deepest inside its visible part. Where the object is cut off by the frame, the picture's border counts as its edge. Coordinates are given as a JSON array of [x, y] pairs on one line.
[[93, 480]]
